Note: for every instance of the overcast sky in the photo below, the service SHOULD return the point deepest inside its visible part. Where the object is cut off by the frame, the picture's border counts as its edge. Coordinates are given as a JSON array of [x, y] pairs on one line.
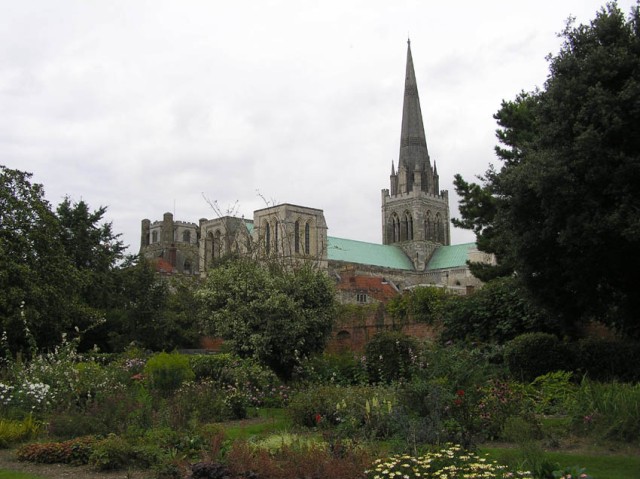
[[151, 106]]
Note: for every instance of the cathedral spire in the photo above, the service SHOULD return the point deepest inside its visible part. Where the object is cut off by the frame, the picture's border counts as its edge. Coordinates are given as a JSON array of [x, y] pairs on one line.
[[413, 143]]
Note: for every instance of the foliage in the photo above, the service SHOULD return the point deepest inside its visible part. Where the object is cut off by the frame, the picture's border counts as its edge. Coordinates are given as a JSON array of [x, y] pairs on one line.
[[75, 451], [608, 359], [166, 372], [345, 369], [533, 354], [33, 300], [421, 304], [607, 410], [498, 312], [552, 393], [571, 472], [13, 431], [244, 460], [452, 459], [390, 356], [275, 315], [561, 211], [115, 453]]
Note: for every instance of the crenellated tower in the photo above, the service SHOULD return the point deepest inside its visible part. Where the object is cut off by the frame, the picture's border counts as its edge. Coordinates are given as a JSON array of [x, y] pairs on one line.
[[415, 212]]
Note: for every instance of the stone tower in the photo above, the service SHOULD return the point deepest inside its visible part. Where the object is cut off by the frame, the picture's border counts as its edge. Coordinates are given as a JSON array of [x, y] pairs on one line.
[[415, 213]]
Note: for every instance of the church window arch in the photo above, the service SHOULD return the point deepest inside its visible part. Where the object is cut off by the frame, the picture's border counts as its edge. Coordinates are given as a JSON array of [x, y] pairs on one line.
[[395, 228], [408, 226], [217, 244], [275, 233], [428, 227], [307, 237], [186, 236], [439, 229], [296, 236], [267, 238]]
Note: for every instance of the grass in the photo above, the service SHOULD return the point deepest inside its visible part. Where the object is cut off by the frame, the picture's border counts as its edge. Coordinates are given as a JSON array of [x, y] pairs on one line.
[[270, 420], [4, 474], [599, 466]]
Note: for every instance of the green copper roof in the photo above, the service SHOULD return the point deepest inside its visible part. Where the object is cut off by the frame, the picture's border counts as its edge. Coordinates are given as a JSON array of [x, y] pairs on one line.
[[359, 252], [450, 256]]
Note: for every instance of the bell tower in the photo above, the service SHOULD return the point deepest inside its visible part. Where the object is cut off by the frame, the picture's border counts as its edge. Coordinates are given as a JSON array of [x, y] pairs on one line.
[[415, 212]]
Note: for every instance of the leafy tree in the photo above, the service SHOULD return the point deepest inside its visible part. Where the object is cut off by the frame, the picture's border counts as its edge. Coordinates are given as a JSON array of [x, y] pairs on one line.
[[498, 312], [153, 312], [275, 315], [562, 210], [38, 282], [95, 251]]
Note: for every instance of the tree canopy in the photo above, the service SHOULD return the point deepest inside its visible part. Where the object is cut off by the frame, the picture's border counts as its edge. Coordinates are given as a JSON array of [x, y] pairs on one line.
[[562, 210], [276, 315]]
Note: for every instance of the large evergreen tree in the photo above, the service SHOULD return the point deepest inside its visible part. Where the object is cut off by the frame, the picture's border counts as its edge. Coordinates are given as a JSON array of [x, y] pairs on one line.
[[563, 209]]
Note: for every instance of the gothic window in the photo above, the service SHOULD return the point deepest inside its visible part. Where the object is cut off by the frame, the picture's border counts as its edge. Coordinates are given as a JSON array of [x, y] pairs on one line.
[[208, 252], [428, 227], [217, 245], [307, 238], [439, 234], [267, 238], [154, 237], [275, 229], [187, 266], [296, 236], [408, 226], [186, 236], [395, 228]]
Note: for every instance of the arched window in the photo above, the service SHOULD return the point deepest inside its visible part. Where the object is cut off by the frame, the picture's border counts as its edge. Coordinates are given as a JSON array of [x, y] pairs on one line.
[[186, 236], [217, 245], [408, 226], [187, 266], [395, 228], [267, 238], [275, 229], [154, 237], [296, 237], [208, 248], [438, 229], [307, 238], [428, 227]]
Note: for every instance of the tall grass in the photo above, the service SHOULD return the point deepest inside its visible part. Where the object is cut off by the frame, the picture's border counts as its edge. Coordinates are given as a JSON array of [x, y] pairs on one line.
[[12, 431], [608, 410]]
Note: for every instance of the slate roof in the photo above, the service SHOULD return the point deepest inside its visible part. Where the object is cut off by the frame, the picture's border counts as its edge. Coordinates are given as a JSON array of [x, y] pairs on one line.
[[360, 252]]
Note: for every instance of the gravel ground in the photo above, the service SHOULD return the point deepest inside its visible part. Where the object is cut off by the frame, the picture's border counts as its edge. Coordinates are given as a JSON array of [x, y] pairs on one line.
[[9, 462]]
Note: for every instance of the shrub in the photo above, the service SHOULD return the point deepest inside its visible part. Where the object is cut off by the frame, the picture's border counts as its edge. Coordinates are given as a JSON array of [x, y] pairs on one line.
[[357, 410], [212, 366], [390, 356], [115, 453], [534, 354], [76, 451], [343, 368], [166, 372], [552, 393], [609, 359]]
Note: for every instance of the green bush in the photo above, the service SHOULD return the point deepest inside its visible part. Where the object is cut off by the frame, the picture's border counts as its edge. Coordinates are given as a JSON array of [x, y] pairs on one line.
[[166, 372], [609, 359], [116, 453], [344, 368], [212, 366], [534, 354], [552, 393], [391, 356]]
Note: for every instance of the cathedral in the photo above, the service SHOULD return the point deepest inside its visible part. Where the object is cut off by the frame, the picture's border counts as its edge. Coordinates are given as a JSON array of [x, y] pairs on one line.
[[415, 247]]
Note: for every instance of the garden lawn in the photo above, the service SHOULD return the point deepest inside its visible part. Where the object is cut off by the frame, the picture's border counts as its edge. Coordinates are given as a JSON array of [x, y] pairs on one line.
[[4, 474], [597, 466]]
